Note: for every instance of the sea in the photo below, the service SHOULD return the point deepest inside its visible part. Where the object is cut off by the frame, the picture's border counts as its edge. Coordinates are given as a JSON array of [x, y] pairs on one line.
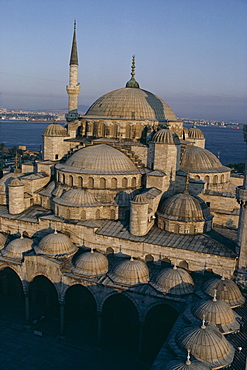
[[226, 143]]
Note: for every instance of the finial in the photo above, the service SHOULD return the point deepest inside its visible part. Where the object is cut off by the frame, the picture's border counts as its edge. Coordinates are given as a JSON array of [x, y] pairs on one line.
[[203, 322], [16, 170], [131, 258], [132, 82], [223, 276], [92, 250], [187, 180], [175, 266], [215, 294], [75, 24], [21, 237], [188, 362], [55, 230]]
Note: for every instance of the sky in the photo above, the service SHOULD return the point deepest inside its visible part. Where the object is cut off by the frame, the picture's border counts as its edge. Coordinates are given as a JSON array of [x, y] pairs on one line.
[[191, 53]]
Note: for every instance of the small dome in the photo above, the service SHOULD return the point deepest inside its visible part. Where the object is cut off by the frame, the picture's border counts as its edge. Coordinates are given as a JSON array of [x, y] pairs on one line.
[[184, 207], [178, 365], [227, 291], [195, 133], [16, 182], [55, 130], [165, 136], [6, 180], [91, 264], [130, 272], [56, 245], [215, 311], [197, 159], [122, 103], [3, 239], [174, 281], [206, 344], [77, 198], [16, 247], [101, 159], [140, 198]]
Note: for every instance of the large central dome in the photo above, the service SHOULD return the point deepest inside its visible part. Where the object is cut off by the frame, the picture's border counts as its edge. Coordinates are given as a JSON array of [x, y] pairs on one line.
[[131, 103]]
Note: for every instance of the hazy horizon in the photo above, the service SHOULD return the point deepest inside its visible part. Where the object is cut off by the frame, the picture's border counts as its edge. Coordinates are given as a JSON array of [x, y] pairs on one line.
[[191, 54]]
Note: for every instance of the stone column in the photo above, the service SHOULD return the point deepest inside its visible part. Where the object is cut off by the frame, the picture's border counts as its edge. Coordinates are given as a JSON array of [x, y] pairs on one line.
[[27, 310], [140, 344], [61, 304], [99, 314]]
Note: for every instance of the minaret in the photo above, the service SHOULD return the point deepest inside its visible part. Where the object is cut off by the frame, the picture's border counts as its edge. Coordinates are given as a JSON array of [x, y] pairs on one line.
[[241, 194], [73, 89]]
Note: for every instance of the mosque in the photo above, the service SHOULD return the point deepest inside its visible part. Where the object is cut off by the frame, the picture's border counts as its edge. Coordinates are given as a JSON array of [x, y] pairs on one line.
[[111, 235]]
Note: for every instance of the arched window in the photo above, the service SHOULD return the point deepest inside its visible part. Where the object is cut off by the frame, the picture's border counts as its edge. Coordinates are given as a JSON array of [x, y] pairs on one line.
[[184, 265], [83, 214], [197, 177], [97, 214], [206, 178], [63, 179], [102, 182], [113, 183], [222, 179], [109, 250], [112, 214], [128, 132], [215, 179], [90, 182], [70, 180], [176, 228], [115, 131], [149, 258], [124, 182], [80, 182], [133, 182]]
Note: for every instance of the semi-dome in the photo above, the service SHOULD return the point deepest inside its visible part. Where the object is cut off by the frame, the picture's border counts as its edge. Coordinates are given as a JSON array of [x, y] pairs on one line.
[[175, 281], [16, 182], [77, 198], [132, 104], [206, 344], [195, 133], [184, 207], [227, 291], [197, 159], [17, 247], [91, 264], [100, 159], [55, 130], [130, 272], [216, 312], [6, 180], [56, 245], [140, 198], [165, 136]]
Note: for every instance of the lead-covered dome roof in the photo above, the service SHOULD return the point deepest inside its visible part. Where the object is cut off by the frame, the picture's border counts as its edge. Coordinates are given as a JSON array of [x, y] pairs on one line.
[[227, 291], [100, 159], [178, 365], [206, 344], [56, 245], [197, 159], [165, 136], [195, 133], [175, 281], [133, 104], [16, 248], [55, 130], [130, 272], [77, 198], [91, 264], [216, 312], [184, 207]]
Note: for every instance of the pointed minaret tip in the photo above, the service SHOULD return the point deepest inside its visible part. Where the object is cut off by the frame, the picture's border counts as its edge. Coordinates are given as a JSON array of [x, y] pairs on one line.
[[74, 54]]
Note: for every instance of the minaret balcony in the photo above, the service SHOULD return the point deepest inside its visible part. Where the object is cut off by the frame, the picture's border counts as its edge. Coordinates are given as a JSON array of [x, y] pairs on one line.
[[73, 89]]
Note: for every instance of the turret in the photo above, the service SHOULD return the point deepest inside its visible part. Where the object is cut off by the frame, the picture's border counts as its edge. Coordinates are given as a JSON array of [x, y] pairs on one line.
[[73, 89], [139, 216], [16, 197], [241, 195]]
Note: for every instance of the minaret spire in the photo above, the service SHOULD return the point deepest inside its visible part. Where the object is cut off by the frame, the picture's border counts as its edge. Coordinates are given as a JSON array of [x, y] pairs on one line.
[[73, 89]]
